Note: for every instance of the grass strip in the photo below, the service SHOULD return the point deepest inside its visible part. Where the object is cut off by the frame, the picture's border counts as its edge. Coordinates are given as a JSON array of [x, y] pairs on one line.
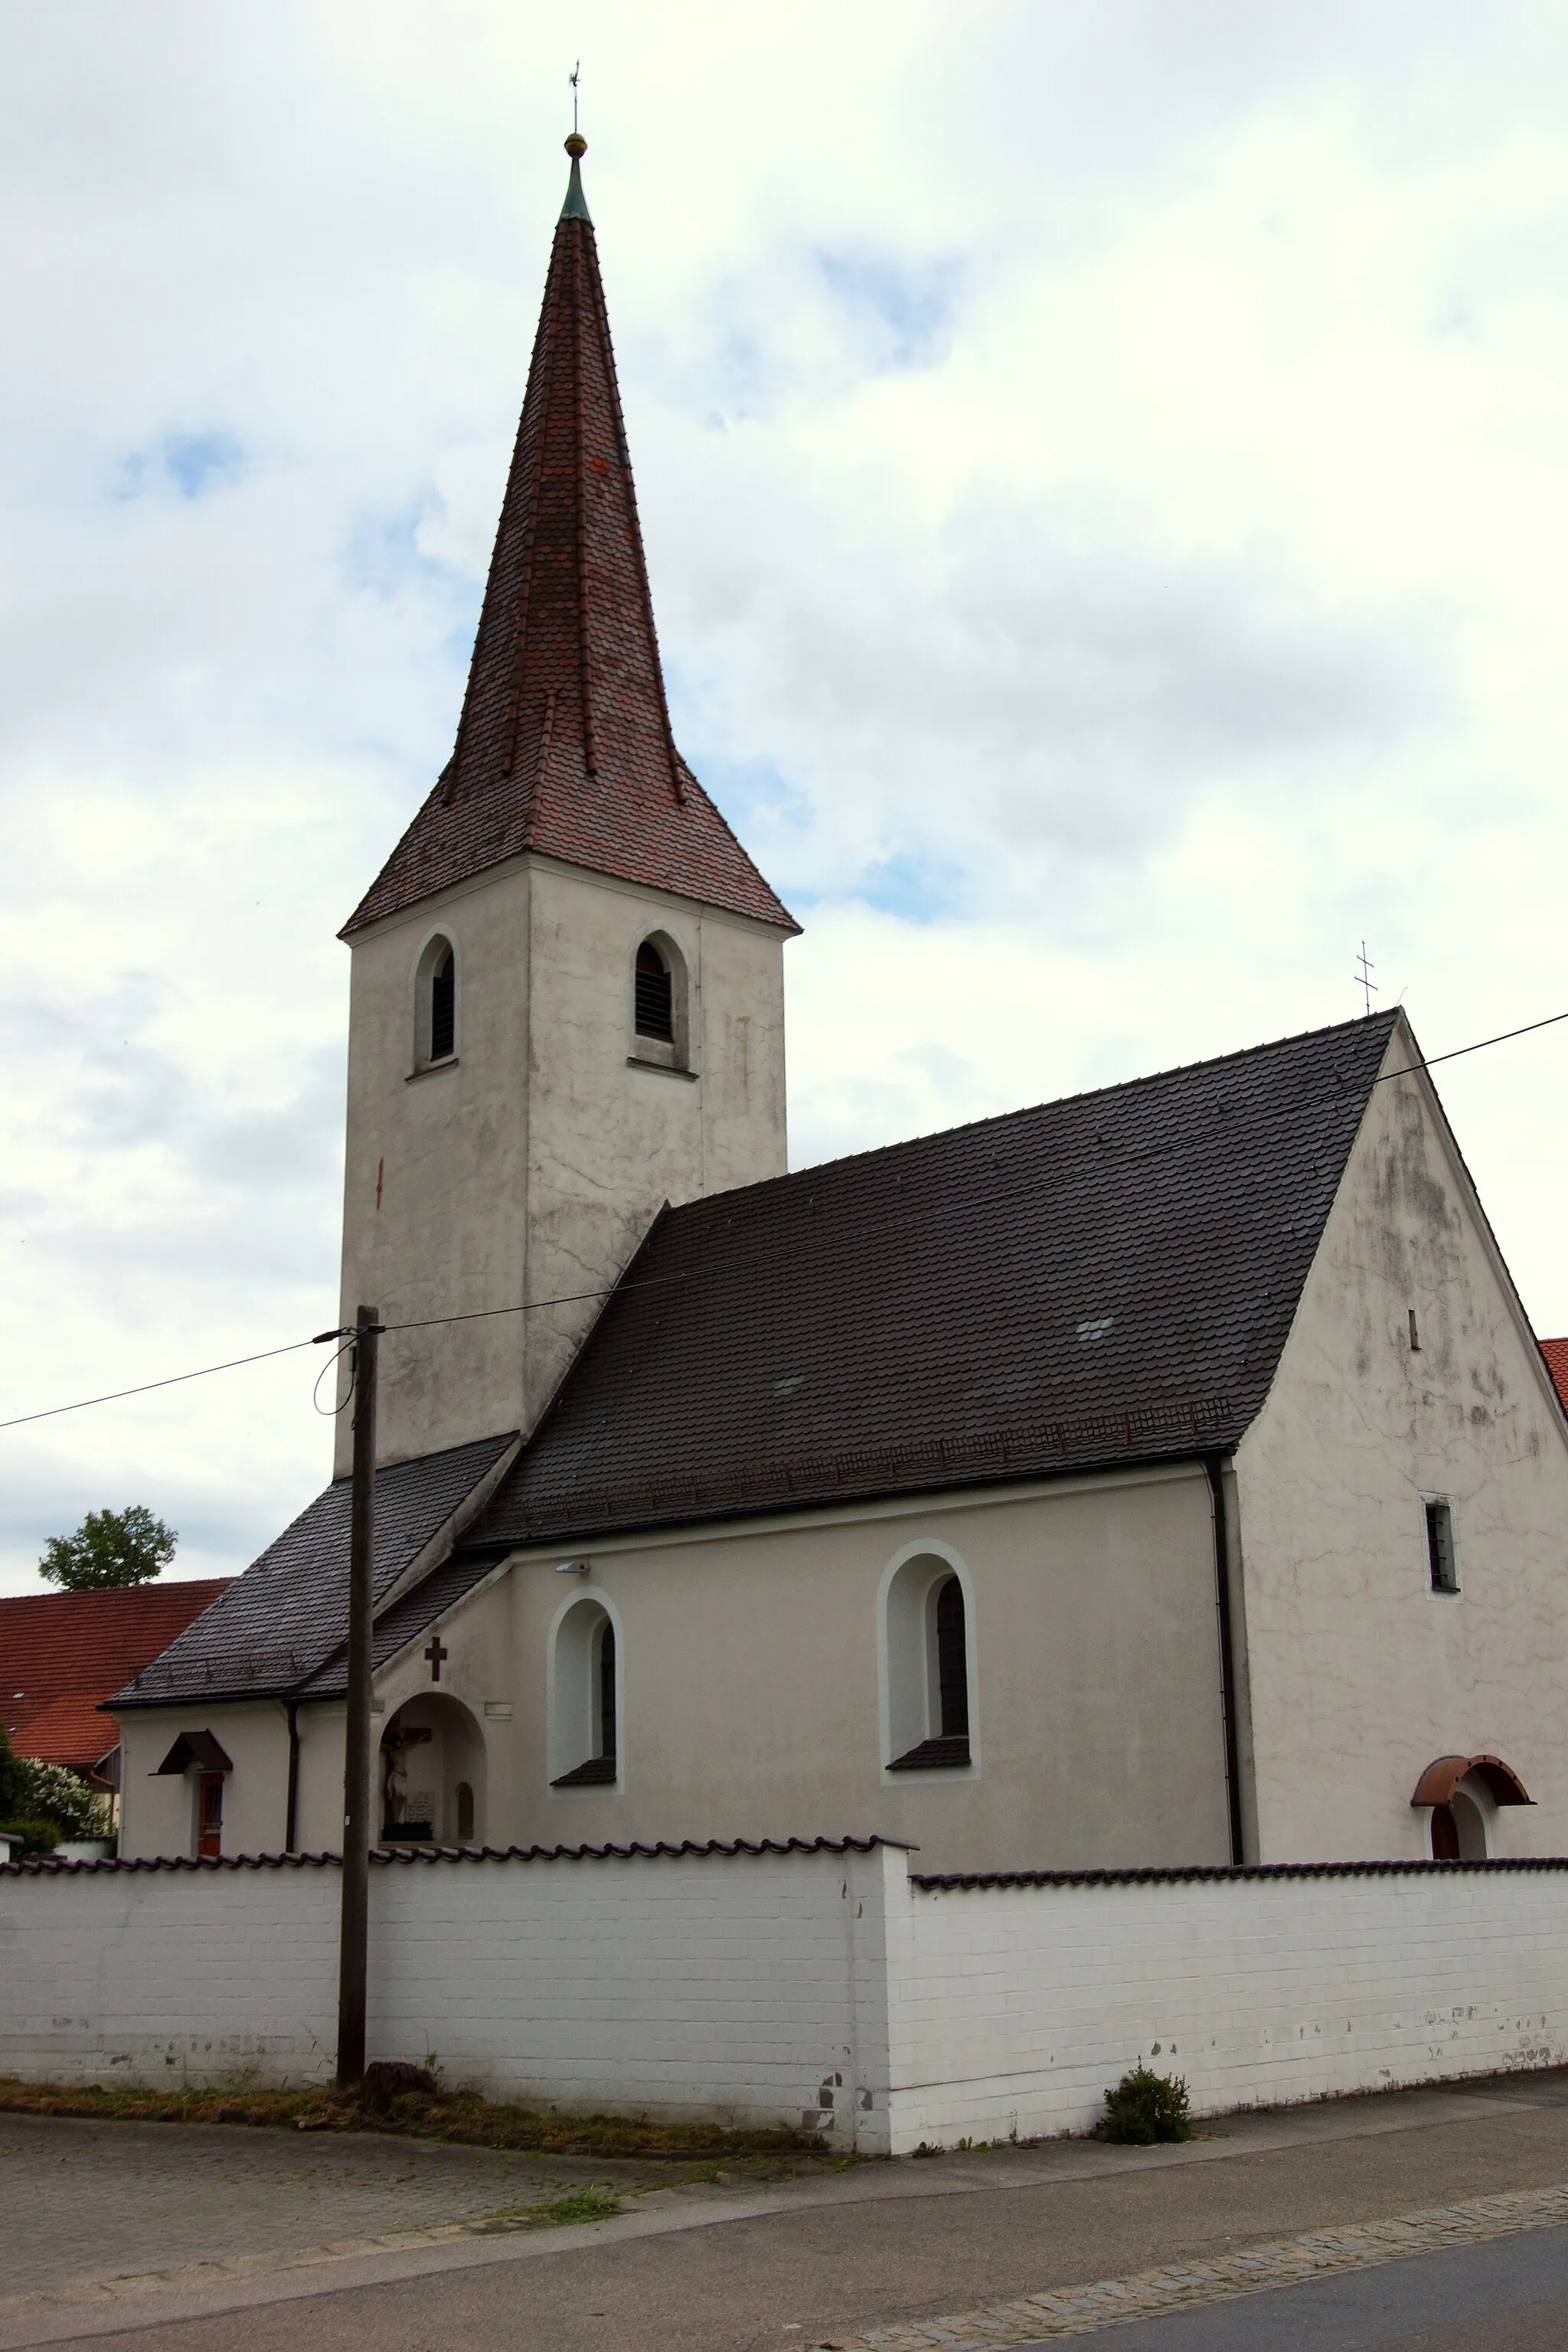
[[460, 2116]]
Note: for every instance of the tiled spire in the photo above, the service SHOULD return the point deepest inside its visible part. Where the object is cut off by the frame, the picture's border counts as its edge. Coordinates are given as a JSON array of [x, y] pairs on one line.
[[563, 745]]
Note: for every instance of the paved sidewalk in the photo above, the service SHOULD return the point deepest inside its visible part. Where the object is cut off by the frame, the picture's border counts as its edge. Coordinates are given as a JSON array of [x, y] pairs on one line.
[[85, 2200], [161, 2236]]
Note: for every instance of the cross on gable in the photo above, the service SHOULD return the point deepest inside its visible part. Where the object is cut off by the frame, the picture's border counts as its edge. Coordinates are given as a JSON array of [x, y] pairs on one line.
[[436, 1652]]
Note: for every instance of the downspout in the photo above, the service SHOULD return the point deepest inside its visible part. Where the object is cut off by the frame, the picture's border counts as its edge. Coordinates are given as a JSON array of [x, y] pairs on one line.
[[1213, 1468], [291, 1823]]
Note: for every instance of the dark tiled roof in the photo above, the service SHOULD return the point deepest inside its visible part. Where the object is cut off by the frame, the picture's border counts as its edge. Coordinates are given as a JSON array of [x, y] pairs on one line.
[[1556, 1354], [61, 1653], [1099, 1280], [563, 745], [408, 1617], [280, 1623]]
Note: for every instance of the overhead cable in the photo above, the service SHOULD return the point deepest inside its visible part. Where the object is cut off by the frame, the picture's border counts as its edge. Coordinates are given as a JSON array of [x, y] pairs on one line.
[[578, 1298]]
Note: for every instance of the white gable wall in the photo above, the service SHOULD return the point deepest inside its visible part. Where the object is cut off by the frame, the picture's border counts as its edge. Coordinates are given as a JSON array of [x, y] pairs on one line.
[[1360, 1673]]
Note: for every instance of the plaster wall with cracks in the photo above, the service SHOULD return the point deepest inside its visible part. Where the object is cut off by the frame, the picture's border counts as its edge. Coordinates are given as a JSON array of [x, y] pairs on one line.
[[1361, 1674]]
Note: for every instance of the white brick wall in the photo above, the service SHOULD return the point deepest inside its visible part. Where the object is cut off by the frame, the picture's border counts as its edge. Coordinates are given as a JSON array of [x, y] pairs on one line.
[[719, 1985], [196, 1974], [784, 1987], [1013, 2008]]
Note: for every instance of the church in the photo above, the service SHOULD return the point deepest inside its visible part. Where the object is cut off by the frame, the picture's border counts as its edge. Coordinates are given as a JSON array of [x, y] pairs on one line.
[[1165, 1476]]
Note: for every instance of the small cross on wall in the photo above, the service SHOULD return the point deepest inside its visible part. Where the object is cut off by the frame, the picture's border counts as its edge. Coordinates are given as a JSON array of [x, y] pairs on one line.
[[436, 1652]]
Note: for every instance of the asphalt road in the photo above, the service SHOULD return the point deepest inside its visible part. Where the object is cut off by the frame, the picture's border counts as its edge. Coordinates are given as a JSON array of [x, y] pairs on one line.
[[169, 2239], [1509, 2296]]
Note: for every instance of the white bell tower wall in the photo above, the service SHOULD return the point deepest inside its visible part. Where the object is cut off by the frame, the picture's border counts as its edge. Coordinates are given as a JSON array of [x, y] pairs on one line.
[[527, 1163]]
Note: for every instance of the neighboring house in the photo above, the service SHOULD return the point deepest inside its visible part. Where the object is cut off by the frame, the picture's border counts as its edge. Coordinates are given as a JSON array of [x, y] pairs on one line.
[[1556, 1354], [62, 1655], [1165, 1476]]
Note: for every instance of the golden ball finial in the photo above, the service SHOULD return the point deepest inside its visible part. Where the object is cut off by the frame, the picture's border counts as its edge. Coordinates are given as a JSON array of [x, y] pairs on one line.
[[577, 145]]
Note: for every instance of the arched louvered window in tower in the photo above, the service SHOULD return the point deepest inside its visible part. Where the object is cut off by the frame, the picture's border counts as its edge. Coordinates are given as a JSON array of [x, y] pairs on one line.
[[655, 995], [444, 1008], [435, 1002]]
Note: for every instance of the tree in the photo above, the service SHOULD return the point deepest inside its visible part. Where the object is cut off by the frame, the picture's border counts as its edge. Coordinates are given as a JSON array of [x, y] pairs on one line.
[[13, 1778], [109, 1550]]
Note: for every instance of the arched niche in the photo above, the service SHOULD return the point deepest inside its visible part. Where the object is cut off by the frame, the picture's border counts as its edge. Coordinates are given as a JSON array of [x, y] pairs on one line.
[[432, 1751]]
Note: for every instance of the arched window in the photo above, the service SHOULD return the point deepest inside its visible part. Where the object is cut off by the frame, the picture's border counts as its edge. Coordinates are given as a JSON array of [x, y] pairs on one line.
[[585, 1699], [952, 1664], [661, 1017], [655, 995], [926, 1649], [606, 1693], [444, 1007], [435, 1004]]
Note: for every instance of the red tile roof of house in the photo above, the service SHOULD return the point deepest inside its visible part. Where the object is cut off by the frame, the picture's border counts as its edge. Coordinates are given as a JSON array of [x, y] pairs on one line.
[[62, 1653], [1556, 1354], [565, 746]]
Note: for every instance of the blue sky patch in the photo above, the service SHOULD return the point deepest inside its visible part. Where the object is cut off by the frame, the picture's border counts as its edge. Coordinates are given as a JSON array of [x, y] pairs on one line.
[[382, 556], [907, 309], [192, 464], [917, 890]]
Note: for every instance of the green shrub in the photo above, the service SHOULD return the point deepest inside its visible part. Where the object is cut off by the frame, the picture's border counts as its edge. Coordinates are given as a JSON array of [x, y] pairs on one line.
[[1145, 2108], [38, 1837]]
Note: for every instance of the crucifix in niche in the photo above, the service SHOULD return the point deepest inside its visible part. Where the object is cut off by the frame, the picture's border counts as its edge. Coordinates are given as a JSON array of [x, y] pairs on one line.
[[395, 1807], [438, 1653]]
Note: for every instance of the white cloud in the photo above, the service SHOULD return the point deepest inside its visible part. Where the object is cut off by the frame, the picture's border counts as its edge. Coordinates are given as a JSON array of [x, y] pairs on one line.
[[1105, 473]]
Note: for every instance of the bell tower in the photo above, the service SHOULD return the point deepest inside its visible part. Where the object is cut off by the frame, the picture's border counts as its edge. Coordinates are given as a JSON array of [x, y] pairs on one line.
[[567, 986]]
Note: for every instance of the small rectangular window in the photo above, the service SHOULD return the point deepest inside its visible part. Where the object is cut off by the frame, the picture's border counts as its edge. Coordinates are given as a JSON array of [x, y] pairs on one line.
[[1440, 1547]]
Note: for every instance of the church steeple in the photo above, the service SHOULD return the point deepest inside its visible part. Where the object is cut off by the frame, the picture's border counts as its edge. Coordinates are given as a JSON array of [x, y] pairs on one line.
[[563, 746]]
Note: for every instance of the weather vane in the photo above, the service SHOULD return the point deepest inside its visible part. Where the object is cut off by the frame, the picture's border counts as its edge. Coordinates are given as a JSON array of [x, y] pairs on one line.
[[1364, 981], [572, 77]]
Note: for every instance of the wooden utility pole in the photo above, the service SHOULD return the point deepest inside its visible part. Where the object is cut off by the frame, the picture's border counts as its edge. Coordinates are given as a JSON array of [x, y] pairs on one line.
[[352, 1939]]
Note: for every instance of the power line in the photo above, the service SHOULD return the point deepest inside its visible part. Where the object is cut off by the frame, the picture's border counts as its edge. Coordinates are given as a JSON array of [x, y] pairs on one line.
[[579, 1297], [1481, 1045], [173, 1381]]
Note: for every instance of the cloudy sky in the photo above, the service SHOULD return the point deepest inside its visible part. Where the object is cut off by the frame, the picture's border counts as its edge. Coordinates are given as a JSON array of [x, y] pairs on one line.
[[1105, 472]]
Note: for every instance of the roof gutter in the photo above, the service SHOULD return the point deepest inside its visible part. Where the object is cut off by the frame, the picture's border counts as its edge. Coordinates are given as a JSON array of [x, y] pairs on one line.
[[291, 1812], [1214, 1469]]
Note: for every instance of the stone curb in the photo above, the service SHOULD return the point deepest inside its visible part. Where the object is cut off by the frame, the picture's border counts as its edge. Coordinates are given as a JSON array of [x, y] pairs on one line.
[[1288, 2262]]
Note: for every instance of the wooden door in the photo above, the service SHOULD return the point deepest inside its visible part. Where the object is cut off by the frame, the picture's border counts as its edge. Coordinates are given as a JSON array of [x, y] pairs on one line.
[[209, 1813]]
